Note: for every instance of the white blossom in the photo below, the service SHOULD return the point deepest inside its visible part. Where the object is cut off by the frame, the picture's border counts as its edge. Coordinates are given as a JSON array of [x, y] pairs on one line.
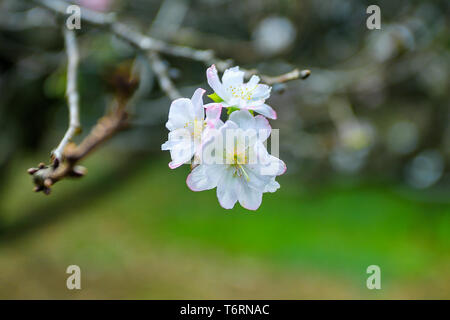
[[189, 128], [235, 93], [246, 171]]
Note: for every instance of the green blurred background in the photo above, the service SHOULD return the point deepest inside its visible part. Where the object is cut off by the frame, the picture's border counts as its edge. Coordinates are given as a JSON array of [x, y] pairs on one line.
[[366, 140]]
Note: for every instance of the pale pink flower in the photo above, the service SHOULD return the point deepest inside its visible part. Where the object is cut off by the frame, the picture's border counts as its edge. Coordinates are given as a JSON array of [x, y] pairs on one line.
[[97, 5], [247, 169], [235, 93], [189, 128]]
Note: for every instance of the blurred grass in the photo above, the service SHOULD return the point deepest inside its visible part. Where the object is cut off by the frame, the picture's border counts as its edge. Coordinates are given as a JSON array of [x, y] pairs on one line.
[[146, 235]]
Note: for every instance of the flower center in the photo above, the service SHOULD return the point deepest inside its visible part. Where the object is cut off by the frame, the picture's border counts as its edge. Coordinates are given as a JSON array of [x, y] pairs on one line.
[[236, 158], [196, 127], [236, 162], [242, 92], [239, 171]]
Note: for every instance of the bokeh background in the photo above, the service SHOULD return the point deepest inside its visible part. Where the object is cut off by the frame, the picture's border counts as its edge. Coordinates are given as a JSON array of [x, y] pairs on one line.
[[366, 139]]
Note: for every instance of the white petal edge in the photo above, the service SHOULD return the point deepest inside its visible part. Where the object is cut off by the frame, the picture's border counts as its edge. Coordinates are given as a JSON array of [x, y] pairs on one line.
[[180, 112], [197, 103], [228, 190], [265, 110], [204, 177], [214, 82], [249, 198]]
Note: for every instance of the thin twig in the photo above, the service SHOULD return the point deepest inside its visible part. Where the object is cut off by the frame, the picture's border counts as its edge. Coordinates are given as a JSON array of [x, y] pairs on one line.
[[162, 75], [121, 30], [115, 119], [71, 93], [46, 176], [146, 43], [294, 74], [66, 155], [168, 19]]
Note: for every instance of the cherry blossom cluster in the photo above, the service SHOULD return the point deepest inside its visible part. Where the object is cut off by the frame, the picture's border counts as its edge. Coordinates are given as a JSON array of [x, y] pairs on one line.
[[230, 156]]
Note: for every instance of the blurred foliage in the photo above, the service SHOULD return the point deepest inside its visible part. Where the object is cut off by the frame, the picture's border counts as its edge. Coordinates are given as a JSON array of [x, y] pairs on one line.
[[146, 235], [366, 140]]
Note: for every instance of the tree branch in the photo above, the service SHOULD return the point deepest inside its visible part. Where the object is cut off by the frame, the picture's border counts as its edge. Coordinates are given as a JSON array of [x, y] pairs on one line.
[[161, 72], [146, 43], [112, 122], [121, 30], [67, 155], [71, 93], [46, 176]]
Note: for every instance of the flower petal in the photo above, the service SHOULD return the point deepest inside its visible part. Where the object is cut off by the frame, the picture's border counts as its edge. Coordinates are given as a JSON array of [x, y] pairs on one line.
[[249, 198], [229, 125], [255, 179], [214, 82], [265, 110], [180, 112], [246, 121], [248, 133], [273, 167], [263, 127], [181, 146], [197, 103], [228, 190], [254, 80], [204, 177], [180, 156], [213, 111], [169, 144], [213, 123], [243, 119], [233, 77], [176, 137], [272, 186], [261, 92], [265, 164]]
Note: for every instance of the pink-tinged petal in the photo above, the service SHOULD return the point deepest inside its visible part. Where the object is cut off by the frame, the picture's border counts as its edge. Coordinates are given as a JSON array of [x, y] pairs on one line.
[[180, 159], [204, 177], [211, 131], [181, 152], [228, 190], [265, 110], [214, 124], [214, 82], [197, 102], [206, 106], [207, 151], [249, 198], [174, 165], [233, 77], [213, 111], [208, 146], [180, 113], [178, 138]]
